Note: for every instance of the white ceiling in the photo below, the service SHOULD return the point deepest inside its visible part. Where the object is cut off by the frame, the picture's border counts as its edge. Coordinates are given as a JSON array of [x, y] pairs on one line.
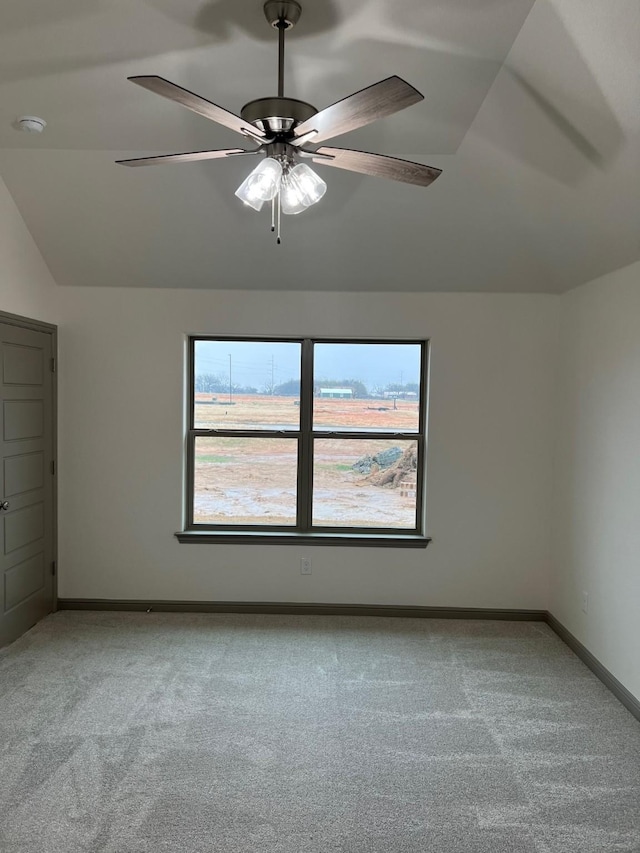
[[531, 110]]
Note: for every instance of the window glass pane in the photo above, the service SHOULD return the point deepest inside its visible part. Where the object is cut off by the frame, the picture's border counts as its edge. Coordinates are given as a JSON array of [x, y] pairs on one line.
[[245, 481], [364, 483], [246, 385], [366, 387]]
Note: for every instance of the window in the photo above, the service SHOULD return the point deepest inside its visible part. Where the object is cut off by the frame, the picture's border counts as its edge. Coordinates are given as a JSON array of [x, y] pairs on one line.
[[302, 438]]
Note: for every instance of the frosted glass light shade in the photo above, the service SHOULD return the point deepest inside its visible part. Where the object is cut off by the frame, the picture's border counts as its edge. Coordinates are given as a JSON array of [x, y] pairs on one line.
[[312, 185], [262, 184], [292, 198], [300, 188]]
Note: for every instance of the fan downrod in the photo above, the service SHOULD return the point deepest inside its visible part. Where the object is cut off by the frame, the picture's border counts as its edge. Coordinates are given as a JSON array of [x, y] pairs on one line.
[[283, 14], [278, 116]]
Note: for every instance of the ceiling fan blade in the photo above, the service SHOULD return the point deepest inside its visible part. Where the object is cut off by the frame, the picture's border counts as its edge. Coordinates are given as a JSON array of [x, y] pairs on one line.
[[377, 165], [197, 104], [186, 158], [377, 101]]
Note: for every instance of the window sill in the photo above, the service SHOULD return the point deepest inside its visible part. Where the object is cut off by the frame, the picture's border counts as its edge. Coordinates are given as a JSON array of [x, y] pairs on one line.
[[362, 540]]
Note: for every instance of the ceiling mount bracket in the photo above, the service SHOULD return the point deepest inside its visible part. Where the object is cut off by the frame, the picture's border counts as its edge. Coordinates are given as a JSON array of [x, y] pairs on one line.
[[278, 12]]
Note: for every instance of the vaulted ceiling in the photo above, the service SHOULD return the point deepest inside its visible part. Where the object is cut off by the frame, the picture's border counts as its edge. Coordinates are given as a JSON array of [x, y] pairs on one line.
[[531, 110]]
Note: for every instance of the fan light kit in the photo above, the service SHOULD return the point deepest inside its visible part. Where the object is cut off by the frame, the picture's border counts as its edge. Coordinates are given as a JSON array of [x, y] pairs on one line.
[[286, 128]]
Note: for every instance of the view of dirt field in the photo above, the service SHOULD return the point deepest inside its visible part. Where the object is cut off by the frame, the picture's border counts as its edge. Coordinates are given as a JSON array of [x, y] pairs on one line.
[[253, 480], [258, 411]]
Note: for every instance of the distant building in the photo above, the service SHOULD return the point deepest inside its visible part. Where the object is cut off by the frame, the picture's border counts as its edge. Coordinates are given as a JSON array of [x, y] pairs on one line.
[[400, 395], [341, 393]]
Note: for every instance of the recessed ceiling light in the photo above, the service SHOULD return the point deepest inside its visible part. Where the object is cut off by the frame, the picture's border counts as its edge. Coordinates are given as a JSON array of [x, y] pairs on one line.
[[30, 124]]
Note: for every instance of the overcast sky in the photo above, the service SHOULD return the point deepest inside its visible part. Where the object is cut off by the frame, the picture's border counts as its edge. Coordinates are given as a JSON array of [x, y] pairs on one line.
[[251, 362]]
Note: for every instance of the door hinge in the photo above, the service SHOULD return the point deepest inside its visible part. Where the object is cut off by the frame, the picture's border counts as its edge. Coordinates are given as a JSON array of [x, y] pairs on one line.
[[53, 466], [53, 365], [53, 568]]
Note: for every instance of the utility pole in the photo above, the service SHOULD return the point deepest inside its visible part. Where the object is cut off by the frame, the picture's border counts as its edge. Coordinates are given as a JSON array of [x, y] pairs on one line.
[[230, 386], [272, 385]]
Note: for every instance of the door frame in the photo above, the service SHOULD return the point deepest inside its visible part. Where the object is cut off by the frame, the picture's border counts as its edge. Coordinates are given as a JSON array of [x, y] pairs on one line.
[[51, 329]]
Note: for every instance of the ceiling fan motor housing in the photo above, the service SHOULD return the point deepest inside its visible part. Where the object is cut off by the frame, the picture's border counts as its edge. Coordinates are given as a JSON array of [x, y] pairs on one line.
[[277, 116]]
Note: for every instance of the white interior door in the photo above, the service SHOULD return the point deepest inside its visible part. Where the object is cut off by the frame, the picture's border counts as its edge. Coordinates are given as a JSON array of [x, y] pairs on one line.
[[27, 582]]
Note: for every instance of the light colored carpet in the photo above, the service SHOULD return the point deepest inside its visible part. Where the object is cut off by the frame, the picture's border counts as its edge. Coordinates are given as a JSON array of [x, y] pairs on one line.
[[172, 733]]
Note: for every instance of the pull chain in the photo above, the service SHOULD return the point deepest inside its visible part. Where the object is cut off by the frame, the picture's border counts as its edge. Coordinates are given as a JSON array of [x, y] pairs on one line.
[[278, 239], [273, 213]]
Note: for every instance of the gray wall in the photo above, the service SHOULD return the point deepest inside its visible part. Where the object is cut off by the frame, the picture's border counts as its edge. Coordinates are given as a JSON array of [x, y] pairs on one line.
[[597, 472], [489, 460], [26, 285]]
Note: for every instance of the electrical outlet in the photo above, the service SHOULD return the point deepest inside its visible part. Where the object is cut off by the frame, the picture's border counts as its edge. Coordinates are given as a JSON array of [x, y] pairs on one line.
[[585, 602], [305, 565]]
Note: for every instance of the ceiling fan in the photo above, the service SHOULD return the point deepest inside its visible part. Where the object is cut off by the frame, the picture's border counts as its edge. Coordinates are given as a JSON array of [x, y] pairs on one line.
[[285, 129]]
